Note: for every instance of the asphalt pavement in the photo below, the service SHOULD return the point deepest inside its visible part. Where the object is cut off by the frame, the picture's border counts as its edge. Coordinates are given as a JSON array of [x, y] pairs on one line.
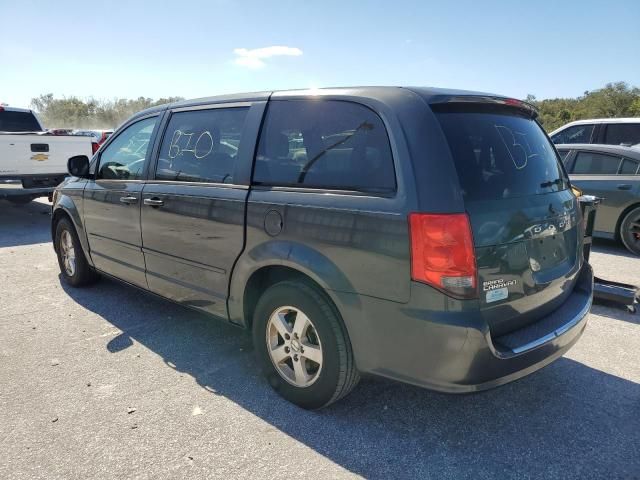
[[111, 382]]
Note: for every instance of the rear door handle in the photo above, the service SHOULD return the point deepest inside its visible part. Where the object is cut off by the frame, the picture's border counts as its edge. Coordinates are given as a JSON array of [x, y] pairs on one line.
[[624, 186], [129, 200], [153, 202]]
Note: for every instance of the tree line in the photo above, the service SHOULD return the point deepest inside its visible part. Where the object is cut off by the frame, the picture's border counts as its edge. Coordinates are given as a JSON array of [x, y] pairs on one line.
[[613, 100], [74, 112]]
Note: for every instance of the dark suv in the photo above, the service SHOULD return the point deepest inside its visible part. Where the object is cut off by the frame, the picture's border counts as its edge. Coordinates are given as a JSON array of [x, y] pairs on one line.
[[424, 235]]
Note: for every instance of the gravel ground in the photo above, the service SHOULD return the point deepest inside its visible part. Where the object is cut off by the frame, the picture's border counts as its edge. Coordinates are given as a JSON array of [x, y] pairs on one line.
[[109, 382]]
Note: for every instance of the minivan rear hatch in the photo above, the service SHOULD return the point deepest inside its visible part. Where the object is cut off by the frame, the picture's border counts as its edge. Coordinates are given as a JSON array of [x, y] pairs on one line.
[[524, 217]]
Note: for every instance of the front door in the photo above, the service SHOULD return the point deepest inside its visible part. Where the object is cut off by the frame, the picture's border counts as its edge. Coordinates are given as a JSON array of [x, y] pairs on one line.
[[112, 203], [194, 205]]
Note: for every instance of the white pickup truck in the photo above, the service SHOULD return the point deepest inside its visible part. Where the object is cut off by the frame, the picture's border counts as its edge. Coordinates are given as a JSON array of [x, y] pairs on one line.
[[33, 162]]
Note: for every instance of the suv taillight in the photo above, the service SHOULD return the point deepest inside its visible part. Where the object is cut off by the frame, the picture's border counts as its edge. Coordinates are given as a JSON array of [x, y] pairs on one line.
[[94, 147], [442, 252]]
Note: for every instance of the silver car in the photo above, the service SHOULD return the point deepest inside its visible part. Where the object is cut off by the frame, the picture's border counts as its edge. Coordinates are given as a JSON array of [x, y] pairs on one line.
[[613, 173]]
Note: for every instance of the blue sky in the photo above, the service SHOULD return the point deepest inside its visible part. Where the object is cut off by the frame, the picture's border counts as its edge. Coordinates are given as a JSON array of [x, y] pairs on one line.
[[200, 48]]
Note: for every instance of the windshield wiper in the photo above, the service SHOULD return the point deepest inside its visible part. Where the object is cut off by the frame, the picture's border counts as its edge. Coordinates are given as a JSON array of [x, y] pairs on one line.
[[309, 164]]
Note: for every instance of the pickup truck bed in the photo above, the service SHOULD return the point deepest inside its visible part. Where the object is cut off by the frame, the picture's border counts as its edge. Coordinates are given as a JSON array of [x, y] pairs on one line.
[[32, 163]]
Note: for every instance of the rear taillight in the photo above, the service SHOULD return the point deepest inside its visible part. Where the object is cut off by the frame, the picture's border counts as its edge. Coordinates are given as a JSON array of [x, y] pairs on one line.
[[442, 252], [94, 147]]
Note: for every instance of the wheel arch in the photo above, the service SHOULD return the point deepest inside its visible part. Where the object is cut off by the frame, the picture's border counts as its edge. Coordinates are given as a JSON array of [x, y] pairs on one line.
[[66, 208], [272, 262], [263, 278]]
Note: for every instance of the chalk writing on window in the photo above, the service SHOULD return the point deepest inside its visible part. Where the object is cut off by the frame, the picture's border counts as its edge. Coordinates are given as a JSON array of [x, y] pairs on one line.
[[182, 142]]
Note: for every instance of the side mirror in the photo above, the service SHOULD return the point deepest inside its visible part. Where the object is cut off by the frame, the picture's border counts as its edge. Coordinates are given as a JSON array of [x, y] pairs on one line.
[[78, 166]]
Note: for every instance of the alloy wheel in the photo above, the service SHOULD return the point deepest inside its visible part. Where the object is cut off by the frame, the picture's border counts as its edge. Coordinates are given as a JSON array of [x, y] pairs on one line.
[[68, 253], [634, 229], [294, 346]]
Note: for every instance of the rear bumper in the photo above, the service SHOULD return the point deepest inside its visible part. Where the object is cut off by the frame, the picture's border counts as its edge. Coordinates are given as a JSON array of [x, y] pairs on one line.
[[29, 186], [443, 344]]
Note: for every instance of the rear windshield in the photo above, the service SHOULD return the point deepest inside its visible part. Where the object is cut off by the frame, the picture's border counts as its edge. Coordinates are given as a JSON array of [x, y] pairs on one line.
[[18, 122], [500, 154]]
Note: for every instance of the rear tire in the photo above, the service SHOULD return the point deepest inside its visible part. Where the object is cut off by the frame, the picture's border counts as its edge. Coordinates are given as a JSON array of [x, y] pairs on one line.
[[630, 231], [313, 366], [74, 267]]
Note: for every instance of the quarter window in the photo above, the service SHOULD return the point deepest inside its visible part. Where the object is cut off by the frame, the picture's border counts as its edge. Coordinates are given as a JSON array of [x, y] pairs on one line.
[[575, 134], [563, 155], [201, 145], [622, 134], [324, 144], [592, 163], [123, 159], [629, 167]]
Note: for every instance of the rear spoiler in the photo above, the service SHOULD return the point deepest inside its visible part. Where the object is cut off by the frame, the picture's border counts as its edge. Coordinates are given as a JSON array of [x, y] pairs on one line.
[[486, 100]]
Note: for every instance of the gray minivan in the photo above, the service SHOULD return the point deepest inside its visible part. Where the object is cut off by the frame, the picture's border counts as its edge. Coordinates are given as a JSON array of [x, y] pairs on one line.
[[424, 235]]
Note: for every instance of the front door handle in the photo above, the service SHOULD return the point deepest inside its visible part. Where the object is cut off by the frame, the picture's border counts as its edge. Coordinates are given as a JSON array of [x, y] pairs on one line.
[[129, 200], [153, 202], [624, 186]]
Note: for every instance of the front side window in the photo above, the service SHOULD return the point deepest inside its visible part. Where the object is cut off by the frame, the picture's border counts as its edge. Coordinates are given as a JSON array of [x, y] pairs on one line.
[[575, 134], [324, 144], [592, 163], [622, 134], [123, 159], [201, 145]]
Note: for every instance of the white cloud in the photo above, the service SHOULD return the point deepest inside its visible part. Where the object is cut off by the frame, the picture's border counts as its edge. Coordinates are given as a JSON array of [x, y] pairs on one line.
[[255, 58]]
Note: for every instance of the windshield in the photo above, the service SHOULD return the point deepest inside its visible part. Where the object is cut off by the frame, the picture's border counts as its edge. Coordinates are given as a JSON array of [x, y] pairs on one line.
[[500, 155], [18, 122]]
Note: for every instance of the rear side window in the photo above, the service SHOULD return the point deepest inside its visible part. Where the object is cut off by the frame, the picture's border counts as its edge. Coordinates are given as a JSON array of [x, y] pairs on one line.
[[575, 134], [592, 163], [622, 134], [201, 145], [629, 167], [499, 154], [324, 144], [18, 122]]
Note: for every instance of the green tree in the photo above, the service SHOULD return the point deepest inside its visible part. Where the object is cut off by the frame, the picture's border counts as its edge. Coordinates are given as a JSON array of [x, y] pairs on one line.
[[617, 99], [73, 112]]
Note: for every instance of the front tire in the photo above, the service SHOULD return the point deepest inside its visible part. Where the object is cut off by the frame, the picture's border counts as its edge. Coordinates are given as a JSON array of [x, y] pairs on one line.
[[74, 267], [302, 345], [630, 231]]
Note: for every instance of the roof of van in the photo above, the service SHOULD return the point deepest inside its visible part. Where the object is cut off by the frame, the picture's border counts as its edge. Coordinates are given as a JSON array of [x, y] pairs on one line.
[[381, 93]]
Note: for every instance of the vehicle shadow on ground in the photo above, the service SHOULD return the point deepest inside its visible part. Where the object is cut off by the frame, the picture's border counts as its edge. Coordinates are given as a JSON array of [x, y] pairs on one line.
[[613, 247], [616, 312], [565, 421], [611, 309], [24, 224]]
